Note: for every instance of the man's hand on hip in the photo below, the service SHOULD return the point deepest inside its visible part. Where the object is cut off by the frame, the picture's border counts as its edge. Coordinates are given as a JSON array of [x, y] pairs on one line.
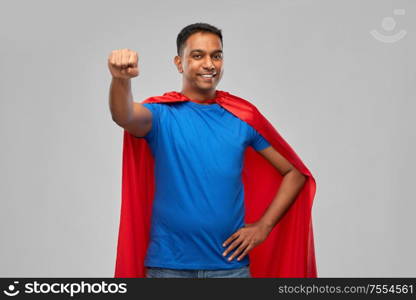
[[246, 239]]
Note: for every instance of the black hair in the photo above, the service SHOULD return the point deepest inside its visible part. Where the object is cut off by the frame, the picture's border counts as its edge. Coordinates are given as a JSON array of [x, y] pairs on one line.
[[187, 31]]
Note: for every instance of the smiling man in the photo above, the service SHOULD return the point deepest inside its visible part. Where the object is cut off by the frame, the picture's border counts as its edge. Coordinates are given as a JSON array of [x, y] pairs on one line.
[[200, 60], [197, 141]]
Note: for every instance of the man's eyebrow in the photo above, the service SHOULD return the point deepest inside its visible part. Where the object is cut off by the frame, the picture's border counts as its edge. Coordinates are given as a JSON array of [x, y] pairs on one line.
[[200, 50]]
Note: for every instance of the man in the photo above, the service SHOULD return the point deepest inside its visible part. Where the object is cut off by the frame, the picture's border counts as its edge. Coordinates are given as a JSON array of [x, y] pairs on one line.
[[199, 145]]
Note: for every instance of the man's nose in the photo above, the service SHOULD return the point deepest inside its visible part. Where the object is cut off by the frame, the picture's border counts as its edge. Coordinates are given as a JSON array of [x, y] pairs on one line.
[[208, 64]]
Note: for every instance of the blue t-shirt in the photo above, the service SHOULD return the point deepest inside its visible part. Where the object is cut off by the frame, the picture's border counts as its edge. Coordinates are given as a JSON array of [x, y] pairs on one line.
[[199, 197]]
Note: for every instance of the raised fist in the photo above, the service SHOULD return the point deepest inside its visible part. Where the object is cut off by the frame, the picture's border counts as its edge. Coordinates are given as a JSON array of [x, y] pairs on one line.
[[123, 63]]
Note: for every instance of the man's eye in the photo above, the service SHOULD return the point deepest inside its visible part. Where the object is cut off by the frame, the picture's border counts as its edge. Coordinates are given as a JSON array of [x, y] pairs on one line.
[[197, 56], [218, 56]]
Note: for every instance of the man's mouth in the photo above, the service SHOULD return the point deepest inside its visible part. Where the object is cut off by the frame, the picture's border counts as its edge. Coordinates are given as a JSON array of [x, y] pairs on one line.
[[208, 76]]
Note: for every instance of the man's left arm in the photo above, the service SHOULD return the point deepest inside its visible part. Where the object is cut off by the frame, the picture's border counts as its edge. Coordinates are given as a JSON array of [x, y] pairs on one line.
[[251, 235]]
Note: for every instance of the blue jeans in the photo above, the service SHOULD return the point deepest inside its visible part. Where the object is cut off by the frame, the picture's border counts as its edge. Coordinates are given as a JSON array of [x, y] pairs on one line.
[[156, 272]]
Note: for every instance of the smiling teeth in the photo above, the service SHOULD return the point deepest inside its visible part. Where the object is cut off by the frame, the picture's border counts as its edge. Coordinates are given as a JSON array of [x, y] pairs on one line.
[[207, 76]]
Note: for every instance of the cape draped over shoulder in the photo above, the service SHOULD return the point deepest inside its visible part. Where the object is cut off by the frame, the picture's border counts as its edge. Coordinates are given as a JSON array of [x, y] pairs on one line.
[[288, 251]]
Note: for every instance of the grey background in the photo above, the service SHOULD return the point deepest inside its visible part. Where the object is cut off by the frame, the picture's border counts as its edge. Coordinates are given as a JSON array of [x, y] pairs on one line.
[[340, 98]]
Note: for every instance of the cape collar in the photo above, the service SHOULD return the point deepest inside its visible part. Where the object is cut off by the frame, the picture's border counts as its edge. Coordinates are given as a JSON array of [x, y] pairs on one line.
[[175, 96]]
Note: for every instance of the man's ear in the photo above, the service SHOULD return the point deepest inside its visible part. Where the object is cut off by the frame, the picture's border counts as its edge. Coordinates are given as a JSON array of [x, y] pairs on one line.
[[178, 62]]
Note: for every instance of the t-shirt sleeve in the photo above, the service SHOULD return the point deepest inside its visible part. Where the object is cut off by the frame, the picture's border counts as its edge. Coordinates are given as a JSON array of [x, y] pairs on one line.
[[155, 108], [257, 141]]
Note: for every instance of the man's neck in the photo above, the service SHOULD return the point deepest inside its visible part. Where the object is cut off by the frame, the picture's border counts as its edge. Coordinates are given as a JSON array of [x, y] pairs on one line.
[[198, 96]]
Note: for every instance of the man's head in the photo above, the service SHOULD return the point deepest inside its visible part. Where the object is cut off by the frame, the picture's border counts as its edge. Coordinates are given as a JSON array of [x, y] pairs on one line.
[[200, 56]]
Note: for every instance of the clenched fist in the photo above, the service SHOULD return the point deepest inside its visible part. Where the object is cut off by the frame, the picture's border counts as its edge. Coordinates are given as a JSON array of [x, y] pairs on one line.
[[123, 63]]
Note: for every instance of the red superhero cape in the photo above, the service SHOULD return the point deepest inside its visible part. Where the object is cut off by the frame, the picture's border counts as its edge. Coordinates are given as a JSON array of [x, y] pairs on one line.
[[288, 251]]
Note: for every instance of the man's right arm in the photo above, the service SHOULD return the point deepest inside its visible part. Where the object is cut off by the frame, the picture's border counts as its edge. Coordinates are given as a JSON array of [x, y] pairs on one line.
[[133, 117]]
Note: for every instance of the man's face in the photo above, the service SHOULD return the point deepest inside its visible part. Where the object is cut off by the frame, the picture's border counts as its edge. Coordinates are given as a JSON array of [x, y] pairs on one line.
[[201, 62]]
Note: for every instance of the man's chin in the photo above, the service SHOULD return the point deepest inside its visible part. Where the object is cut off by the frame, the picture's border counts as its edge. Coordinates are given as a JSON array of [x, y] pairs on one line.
[[207, 88]]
